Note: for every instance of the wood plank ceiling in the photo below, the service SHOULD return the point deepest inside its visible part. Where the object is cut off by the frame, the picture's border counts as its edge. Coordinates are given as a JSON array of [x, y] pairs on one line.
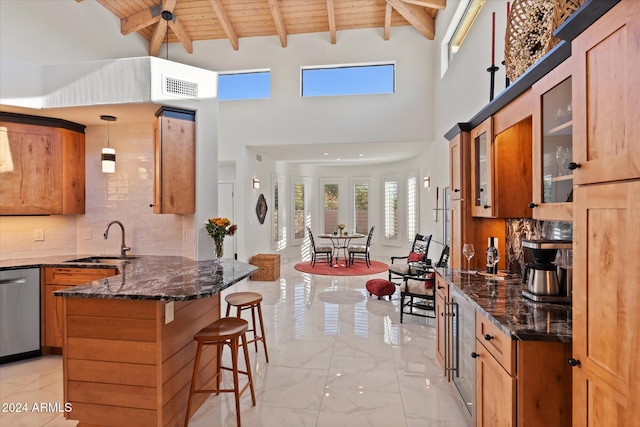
[[187, 21]]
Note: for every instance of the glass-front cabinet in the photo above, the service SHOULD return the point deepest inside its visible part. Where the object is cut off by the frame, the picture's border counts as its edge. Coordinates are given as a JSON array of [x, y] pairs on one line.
[[482, 169], [553, 146]]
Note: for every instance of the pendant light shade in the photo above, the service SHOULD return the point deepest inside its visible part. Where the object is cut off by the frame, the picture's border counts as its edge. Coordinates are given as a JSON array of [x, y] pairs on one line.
[[108, 160], [108, 154]]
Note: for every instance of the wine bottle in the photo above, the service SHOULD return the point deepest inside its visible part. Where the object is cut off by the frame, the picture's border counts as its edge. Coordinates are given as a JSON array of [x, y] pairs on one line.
[[492, 252]]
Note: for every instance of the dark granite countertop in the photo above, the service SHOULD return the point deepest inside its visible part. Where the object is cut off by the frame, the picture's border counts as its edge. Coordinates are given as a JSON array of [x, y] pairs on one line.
[[147, 277], [501, 301]]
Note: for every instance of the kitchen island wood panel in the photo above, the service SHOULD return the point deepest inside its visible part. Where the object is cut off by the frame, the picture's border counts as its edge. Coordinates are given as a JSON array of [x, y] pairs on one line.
[[124, 366]]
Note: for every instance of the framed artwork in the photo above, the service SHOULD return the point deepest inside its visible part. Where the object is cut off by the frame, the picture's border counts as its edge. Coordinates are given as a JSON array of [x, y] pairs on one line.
[[261, 208]]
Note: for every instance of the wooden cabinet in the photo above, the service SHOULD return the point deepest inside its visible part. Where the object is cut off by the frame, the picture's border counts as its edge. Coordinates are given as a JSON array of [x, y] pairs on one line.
[[495, 391], [605, 304], [55, 279], [174, 162], [501, 171], [606, 249], [523, 383], [442, 313], [44, 173], [482, 169], [553, 145], [459, 166], [606, 97]]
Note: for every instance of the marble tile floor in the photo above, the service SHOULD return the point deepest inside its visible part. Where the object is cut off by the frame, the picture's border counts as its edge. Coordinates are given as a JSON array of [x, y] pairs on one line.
[[337, 358]]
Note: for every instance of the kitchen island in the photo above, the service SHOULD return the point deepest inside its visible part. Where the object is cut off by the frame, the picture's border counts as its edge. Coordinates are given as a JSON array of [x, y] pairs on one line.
[[506, 355], [128, 344]]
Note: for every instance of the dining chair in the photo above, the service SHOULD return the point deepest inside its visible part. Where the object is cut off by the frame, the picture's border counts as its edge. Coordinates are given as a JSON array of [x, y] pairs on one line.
[[325, 251], [361, 251]]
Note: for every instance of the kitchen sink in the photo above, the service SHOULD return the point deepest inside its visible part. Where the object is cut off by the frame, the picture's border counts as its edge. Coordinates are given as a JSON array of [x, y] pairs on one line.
[[104, 259]]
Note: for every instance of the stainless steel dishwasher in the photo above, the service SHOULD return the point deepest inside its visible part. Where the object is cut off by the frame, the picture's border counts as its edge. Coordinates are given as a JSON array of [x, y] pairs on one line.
[[19, 314]]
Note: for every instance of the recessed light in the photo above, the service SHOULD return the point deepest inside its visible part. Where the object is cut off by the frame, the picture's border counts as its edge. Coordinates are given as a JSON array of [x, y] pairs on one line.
[[338, 158], [326, 154], [361, 155]]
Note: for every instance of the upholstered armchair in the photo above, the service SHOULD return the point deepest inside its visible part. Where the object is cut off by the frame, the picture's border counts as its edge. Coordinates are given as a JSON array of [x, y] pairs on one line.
[[399, 266]]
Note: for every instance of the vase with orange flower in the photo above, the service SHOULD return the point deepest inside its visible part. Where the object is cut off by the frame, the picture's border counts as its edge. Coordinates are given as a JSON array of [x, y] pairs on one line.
[[218, 229]]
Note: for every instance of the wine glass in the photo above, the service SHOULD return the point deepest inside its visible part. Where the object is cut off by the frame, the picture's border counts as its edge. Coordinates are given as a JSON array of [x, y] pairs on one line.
[[468, 251]]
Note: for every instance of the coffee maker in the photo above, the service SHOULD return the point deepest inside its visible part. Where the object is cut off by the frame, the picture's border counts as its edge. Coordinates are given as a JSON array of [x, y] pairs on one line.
[[546, 279]]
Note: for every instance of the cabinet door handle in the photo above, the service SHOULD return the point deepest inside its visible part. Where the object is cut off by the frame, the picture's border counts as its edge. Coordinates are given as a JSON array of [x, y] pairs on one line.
[[486, 206], [488, 337], [151, 205], [456, 190], [574, 165], [533, 205], [573, 362], [475, 355], [440, 287]]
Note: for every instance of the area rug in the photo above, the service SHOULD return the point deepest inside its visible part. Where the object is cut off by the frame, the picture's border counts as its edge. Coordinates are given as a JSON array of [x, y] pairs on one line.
[[357, 269]]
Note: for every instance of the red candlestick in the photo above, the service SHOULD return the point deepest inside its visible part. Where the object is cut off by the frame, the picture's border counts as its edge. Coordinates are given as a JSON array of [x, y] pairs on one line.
[[493, 39], [508, 9]]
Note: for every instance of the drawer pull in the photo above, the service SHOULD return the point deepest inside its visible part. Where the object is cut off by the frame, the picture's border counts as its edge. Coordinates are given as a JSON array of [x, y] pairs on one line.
[[573, 362], [475, 355], [533, 205], [488, 337]]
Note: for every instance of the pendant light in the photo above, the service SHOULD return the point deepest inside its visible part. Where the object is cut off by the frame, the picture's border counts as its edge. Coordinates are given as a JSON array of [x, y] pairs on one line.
[[108, 153]]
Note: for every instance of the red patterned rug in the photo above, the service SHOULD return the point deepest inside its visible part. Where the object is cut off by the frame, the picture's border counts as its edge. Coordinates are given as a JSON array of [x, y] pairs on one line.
[[357, 269]]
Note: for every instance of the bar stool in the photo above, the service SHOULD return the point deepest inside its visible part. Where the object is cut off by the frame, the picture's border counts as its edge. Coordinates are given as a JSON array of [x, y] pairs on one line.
[[226, 331], [244, 301]]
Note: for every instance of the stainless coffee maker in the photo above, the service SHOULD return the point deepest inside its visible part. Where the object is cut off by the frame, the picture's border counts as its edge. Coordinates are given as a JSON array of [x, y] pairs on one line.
[[547, 280]]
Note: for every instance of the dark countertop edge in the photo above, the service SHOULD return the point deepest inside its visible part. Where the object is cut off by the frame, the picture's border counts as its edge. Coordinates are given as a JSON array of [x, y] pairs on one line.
[[580, 20], [207, 294], [516, 335], [58, 261], [214, 290]]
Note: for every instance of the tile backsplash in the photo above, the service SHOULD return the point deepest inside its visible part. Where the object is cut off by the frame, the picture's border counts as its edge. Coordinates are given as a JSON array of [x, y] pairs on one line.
[[518, 230]]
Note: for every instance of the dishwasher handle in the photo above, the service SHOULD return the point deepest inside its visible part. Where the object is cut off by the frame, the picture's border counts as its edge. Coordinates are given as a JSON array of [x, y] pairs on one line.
[[13, 281]]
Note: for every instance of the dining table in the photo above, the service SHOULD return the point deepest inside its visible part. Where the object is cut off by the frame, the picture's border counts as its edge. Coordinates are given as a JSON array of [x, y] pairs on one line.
[[341, 241]]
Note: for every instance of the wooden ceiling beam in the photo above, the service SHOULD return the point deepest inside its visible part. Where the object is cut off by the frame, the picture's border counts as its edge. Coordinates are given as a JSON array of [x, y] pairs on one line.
[[278, 21], [218, 8], [432, 4], [140, 20], [417, 16], [157, 37], [387, 21], [169, 5], [332, 21], [181, 34]]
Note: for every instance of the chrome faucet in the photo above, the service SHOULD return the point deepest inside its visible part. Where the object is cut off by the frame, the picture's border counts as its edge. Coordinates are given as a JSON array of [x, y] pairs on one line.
[[123, 247]]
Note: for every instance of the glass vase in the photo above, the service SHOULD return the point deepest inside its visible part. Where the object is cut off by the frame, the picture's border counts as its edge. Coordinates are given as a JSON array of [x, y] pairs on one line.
[[219, 249]]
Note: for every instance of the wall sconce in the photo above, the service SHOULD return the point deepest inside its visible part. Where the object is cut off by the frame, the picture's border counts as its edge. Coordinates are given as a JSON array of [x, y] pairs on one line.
[[256, 184], [426, 183], [108, 154]]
